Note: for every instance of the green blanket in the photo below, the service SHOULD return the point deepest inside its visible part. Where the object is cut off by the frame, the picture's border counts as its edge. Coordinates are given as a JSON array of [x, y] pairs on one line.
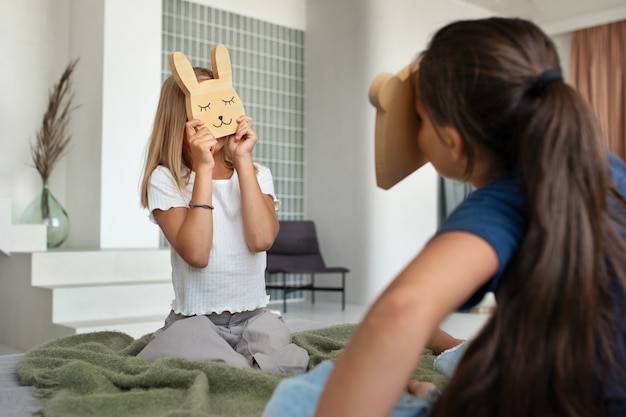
[[97, 374]]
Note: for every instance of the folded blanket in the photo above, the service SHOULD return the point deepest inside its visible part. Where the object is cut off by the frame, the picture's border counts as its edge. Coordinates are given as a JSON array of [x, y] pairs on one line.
[[97, 374]]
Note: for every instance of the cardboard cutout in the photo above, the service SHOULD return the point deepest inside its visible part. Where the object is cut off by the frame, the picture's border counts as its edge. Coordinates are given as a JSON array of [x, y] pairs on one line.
[[396, 151], [214, 101]]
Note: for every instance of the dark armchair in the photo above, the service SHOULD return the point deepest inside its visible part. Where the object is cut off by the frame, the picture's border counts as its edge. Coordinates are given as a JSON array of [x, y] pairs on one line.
[[296, 251]]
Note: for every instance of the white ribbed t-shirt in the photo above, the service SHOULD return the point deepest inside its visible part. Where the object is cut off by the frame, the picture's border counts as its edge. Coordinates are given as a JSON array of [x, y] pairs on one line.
[[234, 279]]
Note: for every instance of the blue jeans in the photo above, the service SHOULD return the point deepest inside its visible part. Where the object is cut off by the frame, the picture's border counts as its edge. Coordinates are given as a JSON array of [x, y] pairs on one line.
[[298, 396]]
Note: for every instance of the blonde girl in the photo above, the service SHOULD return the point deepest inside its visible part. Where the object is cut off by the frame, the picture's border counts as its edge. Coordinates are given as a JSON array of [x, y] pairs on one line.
[[217, 209]]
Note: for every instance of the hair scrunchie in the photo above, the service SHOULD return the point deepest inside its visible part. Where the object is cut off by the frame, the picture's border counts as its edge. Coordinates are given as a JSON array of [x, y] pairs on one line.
[[544, 79]]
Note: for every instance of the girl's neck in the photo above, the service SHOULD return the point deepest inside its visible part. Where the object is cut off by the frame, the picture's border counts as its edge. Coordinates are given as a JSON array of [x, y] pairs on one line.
[[220, 170], [486, 168]]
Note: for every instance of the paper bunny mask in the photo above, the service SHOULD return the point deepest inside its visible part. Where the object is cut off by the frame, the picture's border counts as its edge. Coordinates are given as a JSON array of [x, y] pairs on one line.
[[396, 151], [214, 101]]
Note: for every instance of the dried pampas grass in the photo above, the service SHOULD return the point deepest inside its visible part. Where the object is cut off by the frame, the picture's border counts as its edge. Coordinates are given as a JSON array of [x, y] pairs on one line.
[[52, 139]]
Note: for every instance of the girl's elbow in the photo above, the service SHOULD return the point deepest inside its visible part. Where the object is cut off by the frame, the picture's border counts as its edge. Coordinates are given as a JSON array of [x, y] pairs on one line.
[[261, 242], [398, 304], [198, 263], [402, 304], [260, 245], [196, 259]]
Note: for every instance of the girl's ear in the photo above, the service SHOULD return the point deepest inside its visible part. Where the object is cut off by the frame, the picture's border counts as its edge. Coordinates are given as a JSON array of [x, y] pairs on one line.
[[454, 142]]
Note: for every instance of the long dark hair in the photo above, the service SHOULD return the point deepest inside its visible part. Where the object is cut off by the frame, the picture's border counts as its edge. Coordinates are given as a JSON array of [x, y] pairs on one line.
[[555, 339]]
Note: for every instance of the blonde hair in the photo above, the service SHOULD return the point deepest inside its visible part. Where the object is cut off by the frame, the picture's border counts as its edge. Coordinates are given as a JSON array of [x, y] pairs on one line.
[[167, 141]]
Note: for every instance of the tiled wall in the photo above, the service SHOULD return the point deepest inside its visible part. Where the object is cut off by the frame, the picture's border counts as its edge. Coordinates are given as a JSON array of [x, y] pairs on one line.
[[268, 73]]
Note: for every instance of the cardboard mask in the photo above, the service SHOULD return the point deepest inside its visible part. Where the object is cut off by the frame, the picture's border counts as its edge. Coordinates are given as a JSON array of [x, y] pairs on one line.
[[396, 150], [214, 101]]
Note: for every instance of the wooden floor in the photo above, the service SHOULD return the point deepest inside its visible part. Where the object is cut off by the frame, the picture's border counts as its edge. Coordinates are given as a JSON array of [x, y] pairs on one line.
[[461, 325]]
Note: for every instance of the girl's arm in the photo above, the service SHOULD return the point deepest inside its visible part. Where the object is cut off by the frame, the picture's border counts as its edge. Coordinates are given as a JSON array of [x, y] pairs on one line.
[[260, 223], [190, 230], [372, 372]]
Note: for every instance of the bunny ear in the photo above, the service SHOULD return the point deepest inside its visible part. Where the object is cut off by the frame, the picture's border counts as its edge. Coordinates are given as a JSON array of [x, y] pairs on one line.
[[220, 62], [183, 72]]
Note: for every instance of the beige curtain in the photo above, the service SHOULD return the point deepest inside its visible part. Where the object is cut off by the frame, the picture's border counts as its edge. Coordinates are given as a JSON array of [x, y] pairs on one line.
[[598, 71]]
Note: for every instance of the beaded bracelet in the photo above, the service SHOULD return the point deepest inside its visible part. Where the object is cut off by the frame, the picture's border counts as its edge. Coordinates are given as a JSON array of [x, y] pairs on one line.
[[204, 206]]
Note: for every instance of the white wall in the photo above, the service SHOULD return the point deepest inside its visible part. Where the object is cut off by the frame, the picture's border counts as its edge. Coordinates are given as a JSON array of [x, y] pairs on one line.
[[84, 160], [290, 13], [116, 84], [35, 43], [599, 17], [131, 84], [371, 231], [562, 43], [119, 44], [119, 54]]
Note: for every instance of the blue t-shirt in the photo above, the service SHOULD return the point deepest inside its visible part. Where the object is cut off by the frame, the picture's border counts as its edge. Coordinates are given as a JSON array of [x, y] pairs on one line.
[[497, 213]]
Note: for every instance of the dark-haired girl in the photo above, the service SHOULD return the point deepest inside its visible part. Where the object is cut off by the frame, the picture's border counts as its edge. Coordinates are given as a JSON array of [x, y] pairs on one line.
[[545, 230]]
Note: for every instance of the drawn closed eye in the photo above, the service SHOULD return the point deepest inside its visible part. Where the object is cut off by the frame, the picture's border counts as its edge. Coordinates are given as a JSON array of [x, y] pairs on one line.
[[203, 108], [229, 102]]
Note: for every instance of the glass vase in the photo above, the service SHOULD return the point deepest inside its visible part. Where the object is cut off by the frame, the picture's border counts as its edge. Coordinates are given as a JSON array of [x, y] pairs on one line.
[[46, 210]]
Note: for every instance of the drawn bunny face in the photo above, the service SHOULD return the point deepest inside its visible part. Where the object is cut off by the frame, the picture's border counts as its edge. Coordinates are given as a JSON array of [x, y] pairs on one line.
[[214, 101]]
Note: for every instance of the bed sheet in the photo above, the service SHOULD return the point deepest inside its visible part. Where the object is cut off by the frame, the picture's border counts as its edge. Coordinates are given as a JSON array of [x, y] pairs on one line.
[[15, 400]]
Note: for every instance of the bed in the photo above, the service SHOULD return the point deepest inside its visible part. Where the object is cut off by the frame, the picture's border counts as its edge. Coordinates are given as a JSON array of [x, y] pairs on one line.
[[97, 374]]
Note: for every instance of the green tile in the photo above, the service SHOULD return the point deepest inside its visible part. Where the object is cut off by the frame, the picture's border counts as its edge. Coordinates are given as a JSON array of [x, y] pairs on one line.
[[268, 71]]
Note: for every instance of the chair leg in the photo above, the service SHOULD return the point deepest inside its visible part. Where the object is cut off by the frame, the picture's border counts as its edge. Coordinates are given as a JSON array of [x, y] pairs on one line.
[[312, 288], [284, 292], [343, 292]]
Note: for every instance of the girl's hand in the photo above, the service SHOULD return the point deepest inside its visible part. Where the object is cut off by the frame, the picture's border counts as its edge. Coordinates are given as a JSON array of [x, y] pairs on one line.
[[201, 144], [242, 142], [419, 388]]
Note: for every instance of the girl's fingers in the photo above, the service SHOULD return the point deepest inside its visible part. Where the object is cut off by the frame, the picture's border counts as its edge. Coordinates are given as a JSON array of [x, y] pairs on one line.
[[202, 141], [241, 132], [192, 126], [420, 388], [206, 141], [244, 127], [246, 119], [200, 134], [195, 122]]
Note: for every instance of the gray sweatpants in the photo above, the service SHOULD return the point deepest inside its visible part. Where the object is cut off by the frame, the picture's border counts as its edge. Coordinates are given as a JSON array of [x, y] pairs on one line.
[[256, 338]]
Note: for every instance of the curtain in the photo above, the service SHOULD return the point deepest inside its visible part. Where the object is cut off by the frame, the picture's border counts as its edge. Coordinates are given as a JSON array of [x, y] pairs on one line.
[[598, 72]]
